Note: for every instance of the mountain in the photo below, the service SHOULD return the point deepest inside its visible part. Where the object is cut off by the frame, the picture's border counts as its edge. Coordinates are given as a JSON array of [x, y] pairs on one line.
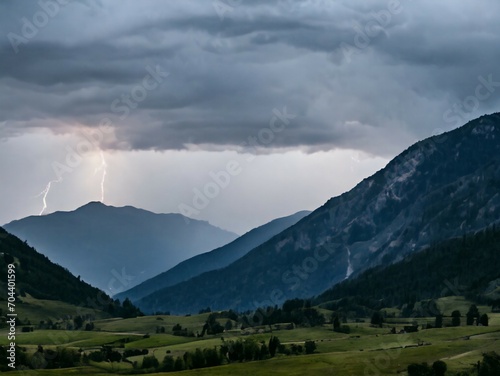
[[421, 276], [37, 276], [216, 259], [115, 248], [439, 188]]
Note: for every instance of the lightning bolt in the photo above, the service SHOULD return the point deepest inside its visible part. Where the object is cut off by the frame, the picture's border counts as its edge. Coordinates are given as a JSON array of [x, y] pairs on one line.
[[45, 193], [103, 168]]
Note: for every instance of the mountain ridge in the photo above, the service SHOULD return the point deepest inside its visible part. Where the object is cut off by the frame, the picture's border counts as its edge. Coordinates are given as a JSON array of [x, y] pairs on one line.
[[436, 189], [115, 248], [215, 259]]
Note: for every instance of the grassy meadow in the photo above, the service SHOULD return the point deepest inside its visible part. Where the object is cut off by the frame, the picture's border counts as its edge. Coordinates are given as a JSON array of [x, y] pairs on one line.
[[366, 350]]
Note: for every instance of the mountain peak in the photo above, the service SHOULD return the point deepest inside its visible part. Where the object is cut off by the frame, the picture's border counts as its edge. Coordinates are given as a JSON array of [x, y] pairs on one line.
[[115, 236], [93, 204], [92, 208]]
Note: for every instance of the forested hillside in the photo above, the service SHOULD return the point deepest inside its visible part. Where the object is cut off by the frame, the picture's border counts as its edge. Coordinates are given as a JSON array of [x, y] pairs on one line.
[[461, 266], [37, 276]]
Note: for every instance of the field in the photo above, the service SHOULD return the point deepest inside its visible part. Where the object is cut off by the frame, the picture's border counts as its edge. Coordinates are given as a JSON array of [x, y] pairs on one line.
[[36, 310], [366, 350]]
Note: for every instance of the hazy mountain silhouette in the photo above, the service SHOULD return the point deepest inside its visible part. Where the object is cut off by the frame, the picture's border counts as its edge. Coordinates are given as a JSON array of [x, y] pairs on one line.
[[216, 259], [115, 248]]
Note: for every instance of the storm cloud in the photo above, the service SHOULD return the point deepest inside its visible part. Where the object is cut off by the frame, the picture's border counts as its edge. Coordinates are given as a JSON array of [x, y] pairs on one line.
[[266, 78], [349, 71]]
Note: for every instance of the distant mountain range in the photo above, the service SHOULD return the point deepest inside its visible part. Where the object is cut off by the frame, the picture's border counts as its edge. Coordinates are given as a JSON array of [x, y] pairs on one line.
[[439, 188], [116, 248], [216, 259]]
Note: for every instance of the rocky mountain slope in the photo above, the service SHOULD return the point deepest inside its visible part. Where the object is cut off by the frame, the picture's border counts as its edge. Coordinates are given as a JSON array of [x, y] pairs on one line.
[[439, 188]]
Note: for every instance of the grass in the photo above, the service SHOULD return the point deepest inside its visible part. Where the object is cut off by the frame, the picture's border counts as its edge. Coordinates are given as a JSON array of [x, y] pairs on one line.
[[160, 340], [36, 310], [373, 347], [365, 350], [77, 371], [148, 324], [68, 338], [450, 303]]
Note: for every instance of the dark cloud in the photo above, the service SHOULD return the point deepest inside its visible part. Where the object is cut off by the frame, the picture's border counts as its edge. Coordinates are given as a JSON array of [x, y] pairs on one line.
[[349, 75]]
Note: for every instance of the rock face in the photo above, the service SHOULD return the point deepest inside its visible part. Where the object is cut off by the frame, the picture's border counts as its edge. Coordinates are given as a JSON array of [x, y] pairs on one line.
[[439, 188], [116, 248]]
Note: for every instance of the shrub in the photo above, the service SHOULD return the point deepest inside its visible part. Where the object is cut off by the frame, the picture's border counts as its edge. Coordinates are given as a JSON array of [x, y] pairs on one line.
[[150, 362], [310, 347]]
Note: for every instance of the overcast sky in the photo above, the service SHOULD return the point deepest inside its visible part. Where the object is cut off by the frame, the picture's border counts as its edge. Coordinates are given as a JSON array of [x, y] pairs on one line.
[[231, 111]]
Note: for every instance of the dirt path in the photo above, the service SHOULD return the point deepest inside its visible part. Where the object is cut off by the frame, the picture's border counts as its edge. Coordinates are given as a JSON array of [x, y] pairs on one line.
[[461, 355]]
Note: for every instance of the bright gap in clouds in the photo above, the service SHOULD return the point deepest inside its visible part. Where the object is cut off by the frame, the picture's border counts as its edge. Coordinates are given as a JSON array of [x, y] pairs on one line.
[[265, 187]]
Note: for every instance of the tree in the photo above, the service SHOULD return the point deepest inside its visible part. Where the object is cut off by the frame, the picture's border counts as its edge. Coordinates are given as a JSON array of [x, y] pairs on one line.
[[212, 326], [150, 362], [472, 314], [67, 358], [439, 321], [168, 364], [439, 367], [38, 361], [78, 322], [236, 351], [484, 320], [377, 319], [293, 304], [313, 317], [490, 366], [177, 330], [228, 325], [113, 356], [455, 318], [251, 350], [97, 356], [264, 352], [274, 342], [128, 310], [310, 347], [179, 364], [212, 358], [198, 359], [419, 370], [336, 323], [205, 310]]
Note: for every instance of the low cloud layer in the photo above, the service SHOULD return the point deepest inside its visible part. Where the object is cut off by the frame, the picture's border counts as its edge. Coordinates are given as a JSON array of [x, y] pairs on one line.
[[371, 76]]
